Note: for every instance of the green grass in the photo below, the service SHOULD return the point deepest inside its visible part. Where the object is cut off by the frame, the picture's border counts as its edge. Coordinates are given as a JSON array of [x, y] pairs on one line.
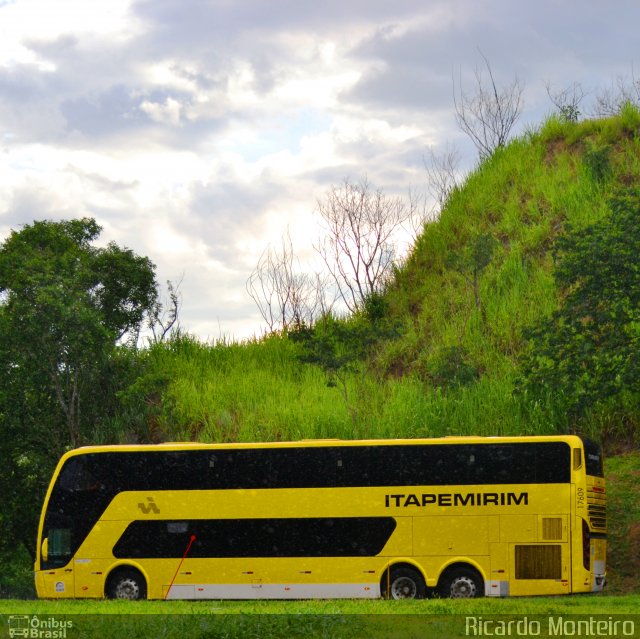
[[343, 618], [524, 195], [568, 604]]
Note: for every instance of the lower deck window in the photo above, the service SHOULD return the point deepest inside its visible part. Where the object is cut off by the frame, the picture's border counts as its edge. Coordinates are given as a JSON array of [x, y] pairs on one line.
[[307, 537]]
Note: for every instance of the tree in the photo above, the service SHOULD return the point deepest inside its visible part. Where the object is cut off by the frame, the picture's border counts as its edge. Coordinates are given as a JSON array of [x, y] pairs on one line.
[[587, 351], [419, 214], [285, 297], [162, 317], [65, 304], [358, 247], [611, 100], [488, 115], [442, 173]]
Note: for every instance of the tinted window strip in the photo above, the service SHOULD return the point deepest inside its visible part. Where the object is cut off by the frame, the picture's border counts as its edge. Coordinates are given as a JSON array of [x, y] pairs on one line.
[[348, 466], [223, 538]]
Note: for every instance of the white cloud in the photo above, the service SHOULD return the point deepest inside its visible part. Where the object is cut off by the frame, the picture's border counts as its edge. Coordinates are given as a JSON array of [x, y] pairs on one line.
[[167, 112]]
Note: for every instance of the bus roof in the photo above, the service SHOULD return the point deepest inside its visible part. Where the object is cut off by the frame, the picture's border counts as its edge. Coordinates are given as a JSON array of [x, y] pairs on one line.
[[312, 443]]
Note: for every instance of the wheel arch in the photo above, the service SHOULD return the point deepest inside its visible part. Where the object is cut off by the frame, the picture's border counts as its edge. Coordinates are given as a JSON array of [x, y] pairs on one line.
[[457, 563], [122, 566]]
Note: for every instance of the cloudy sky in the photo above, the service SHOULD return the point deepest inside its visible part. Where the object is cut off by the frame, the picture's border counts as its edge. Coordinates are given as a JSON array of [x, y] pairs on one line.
[[198, 131]]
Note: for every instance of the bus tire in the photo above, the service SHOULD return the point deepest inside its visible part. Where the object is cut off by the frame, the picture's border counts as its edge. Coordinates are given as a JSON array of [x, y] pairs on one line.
[[462, 582], [126, 583], [404, 582]]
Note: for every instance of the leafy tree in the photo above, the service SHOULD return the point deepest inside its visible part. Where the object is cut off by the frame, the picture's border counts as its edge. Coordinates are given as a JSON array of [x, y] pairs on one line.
[[65, 305], [588, 350]]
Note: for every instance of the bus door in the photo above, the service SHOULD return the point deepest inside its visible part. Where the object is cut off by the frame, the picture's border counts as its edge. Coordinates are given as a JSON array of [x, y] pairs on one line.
[[58, 576]]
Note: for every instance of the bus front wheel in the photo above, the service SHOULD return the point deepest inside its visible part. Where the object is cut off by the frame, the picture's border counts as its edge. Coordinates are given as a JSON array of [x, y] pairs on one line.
[[461, 583], [403, 582], [126, 583]]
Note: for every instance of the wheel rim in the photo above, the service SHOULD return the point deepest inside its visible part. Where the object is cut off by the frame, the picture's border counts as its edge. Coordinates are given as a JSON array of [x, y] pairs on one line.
[[127, 589], [404, 588], [463, 588]]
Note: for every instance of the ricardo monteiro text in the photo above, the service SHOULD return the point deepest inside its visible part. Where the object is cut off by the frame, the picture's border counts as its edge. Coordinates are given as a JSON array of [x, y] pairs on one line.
[[456, 499], [571, 626]]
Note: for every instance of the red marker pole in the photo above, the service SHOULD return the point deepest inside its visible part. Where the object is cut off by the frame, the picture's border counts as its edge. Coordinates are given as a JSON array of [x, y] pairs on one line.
[[186, 552]]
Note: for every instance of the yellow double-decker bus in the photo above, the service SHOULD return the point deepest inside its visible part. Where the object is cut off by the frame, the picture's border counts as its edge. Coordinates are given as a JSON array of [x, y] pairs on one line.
[[458, 516]]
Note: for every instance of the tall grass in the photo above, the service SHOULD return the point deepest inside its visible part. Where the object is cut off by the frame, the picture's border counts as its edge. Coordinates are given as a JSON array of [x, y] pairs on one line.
[[261, 392]]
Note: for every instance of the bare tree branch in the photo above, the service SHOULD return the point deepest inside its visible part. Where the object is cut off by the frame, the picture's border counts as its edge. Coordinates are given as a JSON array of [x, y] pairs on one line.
[[621, 91], [358, 247], [442, 173], [488, 115], [163, 317], [285, 297], [419, 214], [567, 100]]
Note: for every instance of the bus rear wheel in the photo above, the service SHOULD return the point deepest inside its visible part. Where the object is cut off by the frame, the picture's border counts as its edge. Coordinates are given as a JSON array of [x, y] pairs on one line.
[[403, 583], [126, 583], [461, 583]]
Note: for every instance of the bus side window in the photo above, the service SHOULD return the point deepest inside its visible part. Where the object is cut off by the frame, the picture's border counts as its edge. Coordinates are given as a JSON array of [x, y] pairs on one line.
[[502, 458], [77, 476], [475, 464]]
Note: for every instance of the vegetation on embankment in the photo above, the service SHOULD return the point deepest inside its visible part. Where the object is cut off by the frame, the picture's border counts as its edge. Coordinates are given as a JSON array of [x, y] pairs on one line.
[[623, 514], [460, 312], [457, 317]]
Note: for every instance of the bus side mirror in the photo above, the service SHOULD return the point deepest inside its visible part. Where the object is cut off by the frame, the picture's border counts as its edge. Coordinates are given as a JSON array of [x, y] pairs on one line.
[[44, 550]]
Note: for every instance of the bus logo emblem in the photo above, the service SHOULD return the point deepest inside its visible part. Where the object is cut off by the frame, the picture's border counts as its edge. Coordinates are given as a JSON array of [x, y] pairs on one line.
[[19, 625], [149, 508]]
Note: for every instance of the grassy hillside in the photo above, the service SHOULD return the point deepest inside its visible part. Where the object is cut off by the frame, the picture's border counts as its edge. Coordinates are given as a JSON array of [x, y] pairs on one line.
[[524, 196], [452, 365]]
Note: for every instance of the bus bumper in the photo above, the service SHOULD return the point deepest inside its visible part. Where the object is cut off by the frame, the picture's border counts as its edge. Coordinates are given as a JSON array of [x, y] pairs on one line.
[[599, 576]]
